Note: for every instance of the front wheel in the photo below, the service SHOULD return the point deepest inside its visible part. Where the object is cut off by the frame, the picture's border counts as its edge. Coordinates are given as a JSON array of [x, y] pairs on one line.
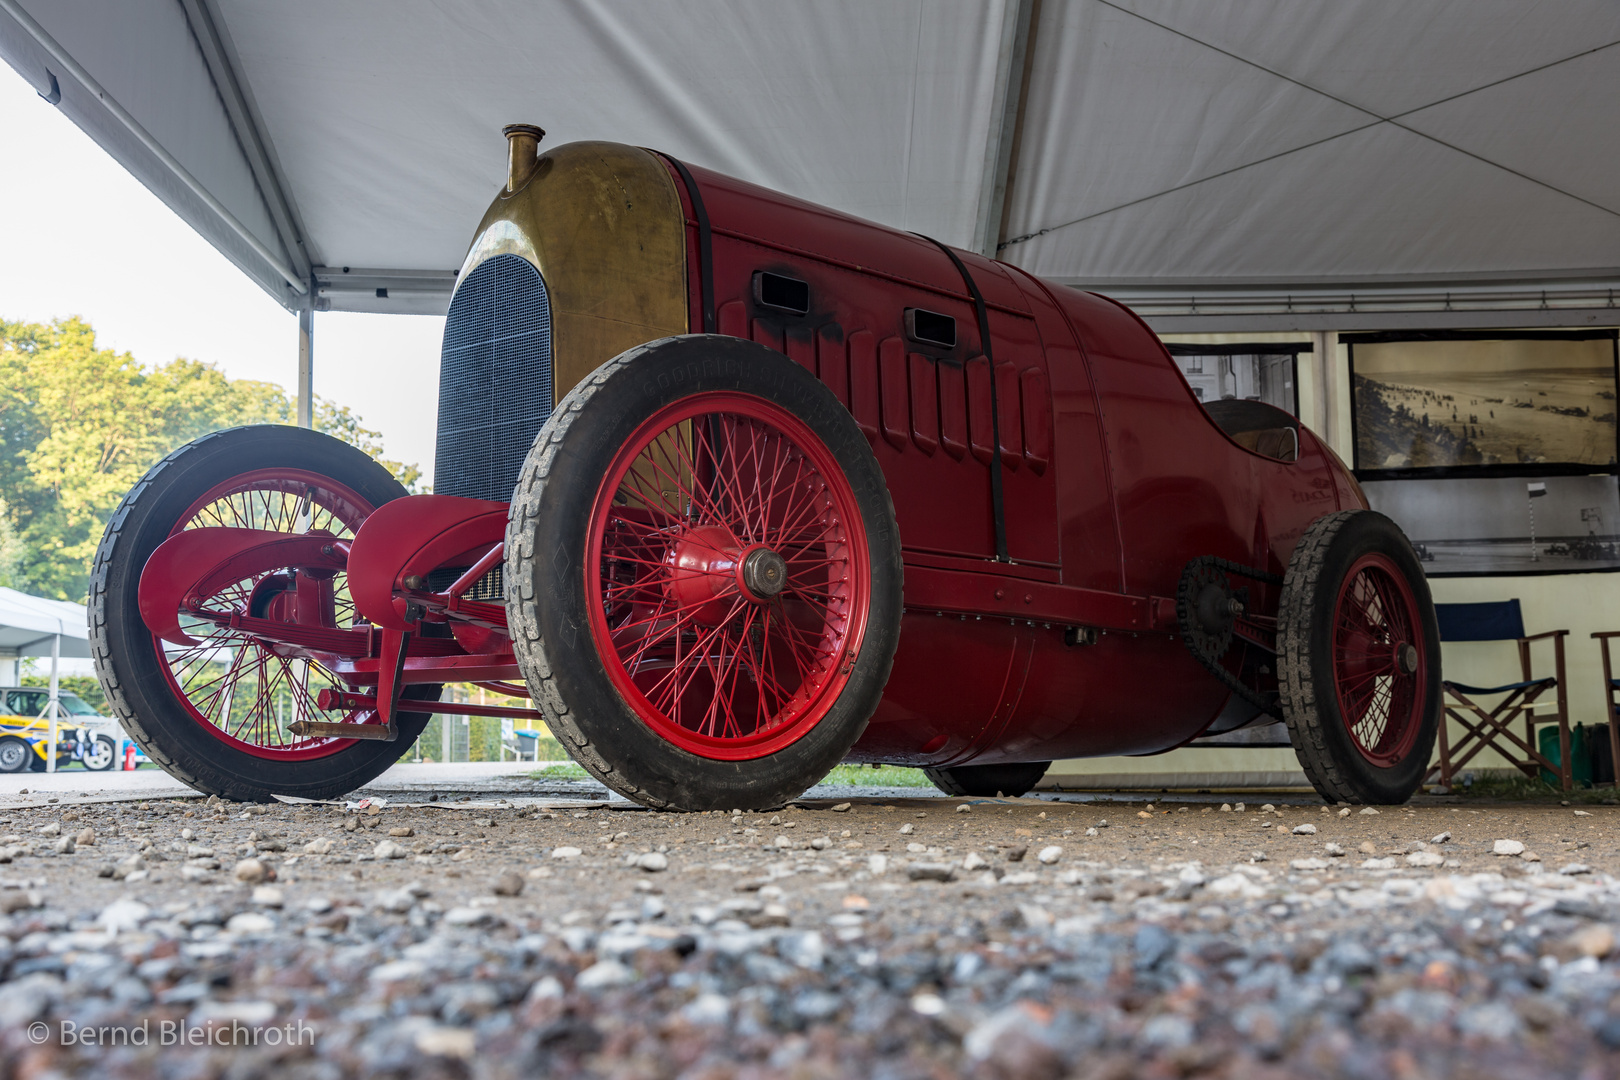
[[708, 580], [1359, 659], [218, 714], [99, 754]]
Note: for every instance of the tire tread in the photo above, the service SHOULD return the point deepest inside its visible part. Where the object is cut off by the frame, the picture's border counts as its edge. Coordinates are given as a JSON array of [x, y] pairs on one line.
[[523, 606], [100, 631], [1297, 682]]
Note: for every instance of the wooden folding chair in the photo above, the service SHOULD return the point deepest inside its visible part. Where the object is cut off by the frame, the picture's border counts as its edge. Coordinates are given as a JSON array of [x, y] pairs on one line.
[[1610, 686], [1493, 727]]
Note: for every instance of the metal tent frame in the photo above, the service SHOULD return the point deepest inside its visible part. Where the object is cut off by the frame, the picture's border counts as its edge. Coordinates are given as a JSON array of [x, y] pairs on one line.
[[1229, 165]]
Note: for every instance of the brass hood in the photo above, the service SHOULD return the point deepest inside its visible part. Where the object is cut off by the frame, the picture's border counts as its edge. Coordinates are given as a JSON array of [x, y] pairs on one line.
[[602, 222]]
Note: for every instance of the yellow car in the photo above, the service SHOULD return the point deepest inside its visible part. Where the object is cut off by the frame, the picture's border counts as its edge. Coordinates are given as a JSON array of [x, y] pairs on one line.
[[25, 733]]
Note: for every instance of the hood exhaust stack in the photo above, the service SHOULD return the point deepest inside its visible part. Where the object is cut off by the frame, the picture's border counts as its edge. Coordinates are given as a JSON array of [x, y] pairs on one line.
[[522, 151]]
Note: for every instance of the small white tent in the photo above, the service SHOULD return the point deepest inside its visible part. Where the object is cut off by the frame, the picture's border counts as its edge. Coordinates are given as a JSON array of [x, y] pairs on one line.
[[35, 626]]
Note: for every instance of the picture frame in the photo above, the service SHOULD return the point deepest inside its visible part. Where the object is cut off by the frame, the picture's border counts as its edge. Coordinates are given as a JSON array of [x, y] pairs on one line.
[[1506, 526], [1260, 371], [1484, 404]]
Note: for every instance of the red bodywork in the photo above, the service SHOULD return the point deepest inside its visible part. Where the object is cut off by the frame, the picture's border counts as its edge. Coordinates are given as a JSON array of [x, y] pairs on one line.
[[1113, 475], [1113, 478]]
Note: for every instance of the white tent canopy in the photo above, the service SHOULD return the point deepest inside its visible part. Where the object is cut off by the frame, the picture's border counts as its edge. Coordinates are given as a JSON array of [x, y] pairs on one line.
[[1319, 164], [35, 626], [28, 625]]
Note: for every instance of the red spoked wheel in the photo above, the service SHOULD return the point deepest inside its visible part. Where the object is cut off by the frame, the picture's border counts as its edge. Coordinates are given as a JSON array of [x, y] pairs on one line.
[[704, 575], [729, 555], [1358, 659], [216, 713], [1378, 668], [243, 690]]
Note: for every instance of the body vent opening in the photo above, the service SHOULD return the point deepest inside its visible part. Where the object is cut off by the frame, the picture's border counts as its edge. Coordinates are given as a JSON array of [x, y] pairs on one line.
[[930, 328], [495, 379], [782, 293]]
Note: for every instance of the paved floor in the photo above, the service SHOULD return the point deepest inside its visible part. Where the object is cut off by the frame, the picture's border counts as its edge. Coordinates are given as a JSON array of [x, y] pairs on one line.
[[516, 783], [152, 782]]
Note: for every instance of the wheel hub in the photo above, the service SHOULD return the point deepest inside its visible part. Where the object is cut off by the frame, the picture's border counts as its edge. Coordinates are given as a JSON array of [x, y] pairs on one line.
[[763, 574], [710, 571], [704, 567], [1406, 658]]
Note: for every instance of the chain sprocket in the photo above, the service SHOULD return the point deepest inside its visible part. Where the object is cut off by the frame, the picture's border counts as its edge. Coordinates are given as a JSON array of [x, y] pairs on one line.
[[1207, 608]]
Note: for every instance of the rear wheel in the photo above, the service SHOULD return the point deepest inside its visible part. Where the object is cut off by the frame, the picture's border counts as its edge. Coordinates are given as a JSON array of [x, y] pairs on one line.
[[1359, 659], [216, 714], [708, 575], [989, 781]]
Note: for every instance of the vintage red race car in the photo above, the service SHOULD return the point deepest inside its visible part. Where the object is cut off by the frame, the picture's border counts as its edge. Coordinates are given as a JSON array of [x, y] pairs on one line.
[[735, 488]]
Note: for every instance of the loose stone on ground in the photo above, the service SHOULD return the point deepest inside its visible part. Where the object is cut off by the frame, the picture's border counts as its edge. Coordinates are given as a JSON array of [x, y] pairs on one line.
[[1023, 938]]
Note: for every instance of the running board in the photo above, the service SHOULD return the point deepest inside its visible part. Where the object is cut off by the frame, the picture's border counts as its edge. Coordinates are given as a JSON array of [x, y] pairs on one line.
[[315, 729]]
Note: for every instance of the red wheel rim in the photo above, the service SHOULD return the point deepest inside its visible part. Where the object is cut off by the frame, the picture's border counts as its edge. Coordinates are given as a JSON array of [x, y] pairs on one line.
[[1380, 664], [242, 691], [709, 498]]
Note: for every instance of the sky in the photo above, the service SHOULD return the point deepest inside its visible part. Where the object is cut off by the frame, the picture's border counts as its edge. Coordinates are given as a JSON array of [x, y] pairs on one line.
[[81, 236]]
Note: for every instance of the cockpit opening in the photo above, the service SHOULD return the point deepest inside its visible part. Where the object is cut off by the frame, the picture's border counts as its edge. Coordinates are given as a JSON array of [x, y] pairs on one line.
[[1257, 426]]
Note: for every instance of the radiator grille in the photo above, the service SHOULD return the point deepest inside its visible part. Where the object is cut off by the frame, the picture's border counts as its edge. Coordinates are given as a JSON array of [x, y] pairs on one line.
[[494, 379], [491, 588]]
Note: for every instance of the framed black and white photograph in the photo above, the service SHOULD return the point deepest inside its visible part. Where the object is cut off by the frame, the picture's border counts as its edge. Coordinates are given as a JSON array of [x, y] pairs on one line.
[[1245, 371], [1506, 525], [1460, 403]]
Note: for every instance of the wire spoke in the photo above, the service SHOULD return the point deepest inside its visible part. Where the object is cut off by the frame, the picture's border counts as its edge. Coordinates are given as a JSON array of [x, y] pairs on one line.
[[697, 655], [230, 681], [1377, 699]]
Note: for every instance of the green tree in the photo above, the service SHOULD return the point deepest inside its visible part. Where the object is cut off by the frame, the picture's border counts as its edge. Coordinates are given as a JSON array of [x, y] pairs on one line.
[[340, 423], [11, 550], [79, 425], [88, 687]]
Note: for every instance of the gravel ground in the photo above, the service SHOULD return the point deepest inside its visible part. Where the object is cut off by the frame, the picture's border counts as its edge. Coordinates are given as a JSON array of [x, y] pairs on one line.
[[890, 936]]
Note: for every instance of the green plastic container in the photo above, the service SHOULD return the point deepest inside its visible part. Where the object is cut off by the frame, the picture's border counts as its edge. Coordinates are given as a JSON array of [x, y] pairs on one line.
[[1580, 754]]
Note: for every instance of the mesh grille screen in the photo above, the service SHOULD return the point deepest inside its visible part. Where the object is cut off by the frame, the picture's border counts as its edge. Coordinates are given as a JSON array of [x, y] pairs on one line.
[[489, 588], [494, 379]]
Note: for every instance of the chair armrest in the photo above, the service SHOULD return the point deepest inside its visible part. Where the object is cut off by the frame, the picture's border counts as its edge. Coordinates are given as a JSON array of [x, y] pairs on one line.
[[1548, 634], [1607, 634]]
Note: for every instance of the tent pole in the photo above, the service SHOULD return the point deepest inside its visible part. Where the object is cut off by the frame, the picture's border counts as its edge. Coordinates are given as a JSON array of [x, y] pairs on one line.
[[306, 366], [50, 749], [1006, 119], [1330, 392]]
